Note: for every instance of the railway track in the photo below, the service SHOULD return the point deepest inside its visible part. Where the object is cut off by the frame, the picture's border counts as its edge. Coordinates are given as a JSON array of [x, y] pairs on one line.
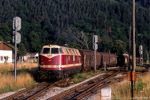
[[89, 87], [75, 93], [35, 91]]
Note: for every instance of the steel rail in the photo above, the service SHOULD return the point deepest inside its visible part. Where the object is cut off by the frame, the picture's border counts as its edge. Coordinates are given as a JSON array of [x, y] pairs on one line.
[[88, 93], [73, 90], [79, 97], [23, 91], [39, 93], [79, 87], [97, 84]]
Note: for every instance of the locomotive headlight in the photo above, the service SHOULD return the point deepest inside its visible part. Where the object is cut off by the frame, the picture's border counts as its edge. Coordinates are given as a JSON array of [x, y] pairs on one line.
[[57, 64]]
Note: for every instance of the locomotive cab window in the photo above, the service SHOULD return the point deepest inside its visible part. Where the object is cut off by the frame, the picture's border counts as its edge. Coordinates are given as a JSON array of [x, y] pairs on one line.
[[54, 51], [46, 50]]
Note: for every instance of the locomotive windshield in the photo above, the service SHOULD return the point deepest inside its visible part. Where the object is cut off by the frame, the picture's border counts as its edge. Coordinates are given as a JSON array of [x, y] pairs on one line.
[[46, 50], [54, 51]]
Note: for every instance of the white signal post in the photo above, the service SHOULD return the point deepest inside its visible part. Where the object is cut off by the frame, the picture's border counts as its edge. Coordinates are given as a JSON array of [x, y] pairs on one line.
[[95, 47], [16, 39], [141, 54]]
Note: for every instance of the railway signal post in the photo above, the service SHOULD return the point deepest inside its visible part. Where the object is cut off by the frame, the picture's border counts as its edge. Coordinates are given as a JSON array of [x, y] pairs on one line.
[[16, 39], [148, 52], [141, 54], [95, 47]]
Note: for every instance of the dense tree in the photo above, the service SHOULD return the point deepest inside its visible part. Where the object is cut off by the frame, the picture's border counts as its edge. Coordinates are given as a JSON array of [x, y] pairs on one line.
[[35, 44], [106, 44], [119, 47], [5, 32], [22, 50], [53, 21], [1, 38]]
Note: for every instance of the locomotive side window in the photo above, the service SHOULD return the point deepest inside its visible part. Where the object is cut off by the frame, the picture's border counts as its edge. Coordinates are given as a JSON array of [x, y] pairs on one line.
[[54, 51], [67, 51], [74, 52], [74, 58], [78, 53], [61, 51], [70, 51], [46, 50]]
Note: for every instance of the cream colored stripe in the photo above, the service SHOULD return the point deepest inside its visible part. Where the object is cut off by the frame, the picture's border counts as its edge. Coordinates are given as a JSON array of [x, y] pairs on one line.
[[62, 66], [69, 65]]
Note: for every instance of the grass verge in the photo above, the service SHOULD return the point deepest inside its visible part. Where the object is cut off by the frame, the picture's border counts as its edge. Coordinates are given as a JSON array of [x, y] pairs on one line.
[[10, 66], [82, 76], [141, 89], [8, 84], [24, 76]]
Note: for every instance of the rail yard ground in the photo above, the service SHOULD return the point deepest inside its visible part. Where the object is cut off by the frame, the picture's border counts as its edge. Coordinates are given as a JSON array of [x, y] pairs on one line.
[[25, 73], [25, 78]]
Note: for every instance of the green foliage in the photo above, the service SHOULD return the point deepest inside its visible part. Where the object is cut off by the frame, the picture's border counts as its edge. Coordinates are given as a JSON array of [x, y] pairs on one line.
[[7, 88], [1, 38], [5, 32], [53, 21], [106, 44], [82, 76], [35, 41], [140, 85], [118, 47], [22, 50], [24, 70]]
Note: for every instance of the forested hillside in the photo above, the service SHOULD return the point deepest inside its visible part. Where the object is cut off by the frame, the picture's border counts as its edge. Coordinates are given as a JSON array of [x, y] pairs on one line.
[[73, 22]]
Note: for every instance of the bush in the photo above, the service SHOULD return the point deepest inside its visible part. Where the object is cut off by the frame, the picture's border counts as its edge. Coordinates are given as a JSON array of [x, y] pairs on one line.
[[140, 85]]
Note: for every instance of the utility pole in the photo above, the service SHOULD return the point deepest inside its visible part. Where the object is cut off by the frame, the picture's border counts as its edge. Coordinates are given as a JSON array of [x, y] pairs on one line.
[[134, 55], [129, 46], [149, 33]]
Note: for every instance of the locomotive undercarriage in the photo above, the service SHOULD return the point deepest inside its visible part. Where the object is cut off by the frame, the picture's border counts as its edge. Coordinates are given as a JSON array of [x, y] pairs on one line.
[[57, 74]]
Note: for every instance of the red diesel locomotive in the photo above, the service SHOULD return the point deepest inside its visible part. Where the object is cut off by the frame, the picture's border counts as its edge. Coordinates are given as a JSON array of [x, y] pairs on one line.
[[58, 61]]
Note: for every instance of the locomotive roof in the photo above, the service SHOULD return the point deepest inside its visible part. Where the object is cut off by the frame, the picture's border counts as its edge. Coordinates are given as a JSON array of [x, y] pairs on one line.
[[51, 46], [66, 50], [57, 46]]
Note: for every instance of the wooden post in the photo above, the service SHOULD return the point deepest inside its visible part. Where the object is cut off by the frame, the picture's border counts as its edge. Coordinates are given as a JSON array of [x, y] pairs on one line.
[[129, 63], [149, 33], [134, 55]]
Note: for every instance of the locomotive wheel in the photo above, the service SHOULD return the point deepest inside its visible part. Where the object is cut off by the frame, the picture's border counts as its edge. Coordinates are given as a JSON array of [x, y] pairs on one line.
[[38, 78], [65, 75]]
